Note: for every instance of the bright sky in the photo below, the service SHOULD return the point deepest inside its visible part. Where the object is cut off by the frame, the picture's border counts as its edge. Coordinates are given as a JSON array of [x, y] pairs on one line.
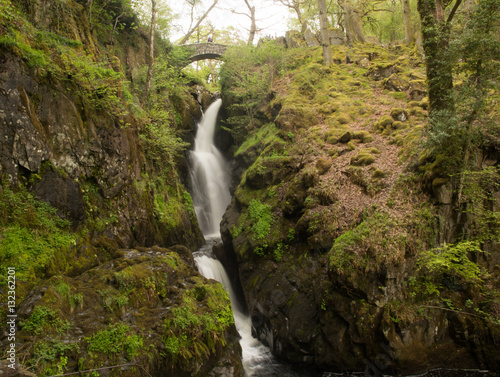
[[270, 17]]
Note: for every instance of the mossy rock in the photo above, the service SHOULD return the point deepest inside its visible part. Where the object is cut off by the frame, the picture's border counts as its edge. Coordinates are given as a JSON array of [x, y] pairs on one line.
[[332, 140], [397, 125], [383, 123], [377, 174], [418, 113], [381, 71], [323, 165], [291, 118], [363, 136], [345, 137], [417, 89], [412, 104], [343, 118], [399, 114], [439, 182], [329, 107], [424, 103], [351, 145], [396, 83], [363, 159]]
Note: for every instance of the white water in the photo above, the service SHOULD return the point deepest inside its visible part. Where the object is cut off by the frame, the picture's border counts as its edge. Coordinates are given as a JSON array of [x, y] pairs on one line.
[[210, 180], [209, 175]]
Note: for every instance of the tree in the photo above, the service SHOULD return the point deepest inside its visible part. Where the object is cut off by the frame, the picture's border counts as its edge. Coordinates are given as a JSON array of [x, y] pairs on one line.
[[195, 27], [408, 24], [353, 23], [296, 6], [325, 38], [436, 35], [151, 48], [253, 24]]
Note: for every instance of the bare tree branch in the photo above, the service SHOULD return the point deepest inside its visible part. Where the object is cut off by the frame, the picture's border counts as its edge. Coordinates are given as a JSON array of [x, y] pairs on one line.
[[191, 31]]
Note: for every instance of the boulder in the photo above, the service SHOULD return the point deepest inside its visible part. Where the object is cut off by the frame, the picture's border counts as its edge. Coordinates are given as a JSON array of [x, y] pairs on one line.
[[418, 90], [381, 71], [396, 83], [311, 39], [337, 36]]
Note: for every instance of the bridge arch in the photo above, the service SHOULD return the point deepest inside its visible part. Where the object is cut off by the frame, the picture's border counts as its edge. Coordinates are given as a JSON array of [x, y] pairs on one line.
[[201, 51]]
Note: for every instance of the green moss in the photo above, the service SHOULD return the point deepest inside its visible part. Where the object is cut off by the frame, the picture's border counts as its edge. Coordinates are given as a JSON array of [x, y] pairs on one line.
[[330, 107], [372, 244], [44, 319], [363, 136], [351, 145], [116, 339], [33, 235], [377, 174], [261, 219], [398, 95], [343, 118], [192, 331], [265, 135], [363, 159], [396, 112]]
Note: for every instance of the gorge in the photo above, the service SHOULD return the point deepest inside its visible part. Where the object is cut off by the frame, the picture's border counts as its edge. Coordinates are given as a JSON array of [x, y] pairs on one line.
[[349, 239]]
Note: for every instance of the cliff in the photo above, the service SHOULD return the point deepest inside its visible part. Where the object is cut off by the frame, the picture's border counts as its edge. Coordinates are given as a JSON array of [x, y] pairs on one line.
[[340, 221]]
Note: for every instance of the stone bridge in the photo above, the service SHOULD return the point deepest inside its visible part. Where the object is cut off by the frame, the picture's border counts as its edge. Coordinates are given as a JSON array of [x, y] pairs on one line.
[[200, 51]]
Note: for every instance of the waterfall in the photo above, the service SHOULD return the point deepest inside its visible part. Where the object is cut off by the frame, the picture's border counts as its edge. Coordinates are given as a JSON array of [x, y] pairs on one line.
[[209, 175], [210, 178]]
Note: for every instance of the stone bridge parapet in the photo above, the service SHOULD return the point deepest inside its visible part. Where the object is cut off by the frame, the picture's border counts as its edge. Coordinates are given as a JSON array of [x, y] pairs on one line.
[[200, 51]]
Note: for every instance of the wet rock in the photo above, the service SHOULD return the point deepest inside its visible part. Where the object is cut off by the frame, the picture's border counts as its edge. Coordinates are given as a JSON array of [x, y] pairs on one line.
[[443, 190], [139, 293], [63, 194]]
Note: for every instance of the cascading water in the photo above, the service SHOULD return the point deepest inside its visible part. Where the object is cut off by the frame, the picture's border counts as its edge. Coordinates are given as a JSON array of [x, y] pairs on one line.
[[210, 175], [210, 181]]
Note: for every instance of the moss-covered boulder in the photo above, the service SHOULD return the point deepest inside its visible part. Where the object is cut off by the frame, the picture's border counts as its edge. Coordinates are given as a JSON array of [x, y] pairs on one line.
[[150, 308], [417, 89], [399, 114], [396, 83], [382, 71]]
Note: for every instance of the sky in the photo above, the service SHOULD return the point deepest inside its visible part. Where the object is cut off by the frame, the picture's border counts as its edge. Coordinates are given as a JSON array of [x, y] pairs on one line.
[[270, 17]]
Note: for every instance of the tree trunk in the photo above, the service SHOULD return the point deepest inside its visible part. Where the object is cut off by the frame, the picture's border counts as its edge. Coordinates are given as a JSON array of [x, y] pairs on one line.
[[190, 32], [408, 24], [435, 38], [353, 24], [151, 49], [253, 25], [325, 38]]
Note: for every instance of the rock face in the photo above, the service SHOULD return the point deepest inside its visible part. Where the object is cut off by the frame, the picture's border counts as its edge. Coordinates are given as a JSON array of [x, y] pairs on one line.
[[136, 302], [44, 133], [334, 258], [338, 320]]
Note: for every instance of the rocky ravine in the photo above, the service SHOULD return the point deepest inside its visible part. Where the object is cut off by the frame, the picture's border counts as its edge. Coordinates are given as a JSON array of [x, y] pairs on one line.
[[327, 229]]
